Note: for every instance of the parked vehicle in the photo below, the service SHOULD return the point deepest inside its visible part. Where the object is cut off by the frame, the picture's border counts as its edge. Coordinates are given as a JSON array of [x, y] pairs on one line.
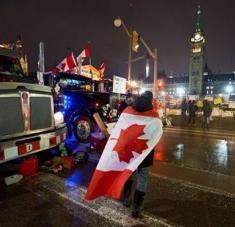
[[79, 98], [28, 123]]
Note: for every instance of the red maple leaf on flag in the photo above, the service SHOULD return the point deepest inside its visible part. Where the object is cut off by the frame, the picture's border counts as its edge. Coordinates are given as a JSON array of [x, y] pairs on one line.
[[128, 142]]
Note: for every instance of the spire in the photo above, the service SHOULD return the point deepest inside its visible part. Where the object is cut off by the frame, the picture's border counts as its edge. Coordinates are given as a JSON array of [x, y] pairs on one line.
[[198, 17]]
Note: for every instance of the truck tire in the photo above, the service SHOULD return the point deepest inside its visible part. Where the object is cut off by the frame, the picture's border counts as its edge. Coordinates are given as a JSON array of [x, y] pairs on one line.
[[82, 129]]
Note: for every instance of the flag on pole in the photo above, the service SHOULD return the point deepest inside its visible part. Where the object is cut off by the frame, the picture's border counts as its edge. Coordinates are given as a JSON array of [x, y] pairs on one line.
[[67, 65], [102, 69], [133, 138], [84, 54]]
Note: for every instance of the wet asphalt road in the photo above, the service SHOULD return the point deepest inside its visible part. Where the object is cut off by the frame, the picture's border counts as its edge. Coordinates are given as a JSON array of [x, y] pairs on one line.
[[202, 151], [179, 203]]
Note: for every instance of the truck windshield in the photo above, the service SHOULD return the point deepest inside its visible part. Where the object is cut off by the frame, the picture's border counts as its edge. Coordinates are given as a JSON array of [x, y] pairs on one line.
[[10, 66]]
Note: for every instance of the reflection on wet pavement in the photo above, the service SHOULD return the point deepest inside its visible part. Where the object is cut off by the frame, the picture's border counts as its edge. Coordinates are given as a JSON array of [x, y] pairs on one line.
[[198, 152]]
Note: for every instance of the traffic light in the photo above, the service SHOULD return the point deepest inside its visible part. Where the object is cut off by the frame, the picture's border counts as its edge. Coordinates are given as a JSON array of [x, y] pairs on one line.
[[135, 41]]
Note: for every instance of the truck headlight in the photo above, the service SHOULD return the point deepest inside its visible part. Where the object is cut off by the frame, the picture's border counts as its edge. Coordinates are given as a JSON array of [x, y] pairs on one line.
[[59, 118]]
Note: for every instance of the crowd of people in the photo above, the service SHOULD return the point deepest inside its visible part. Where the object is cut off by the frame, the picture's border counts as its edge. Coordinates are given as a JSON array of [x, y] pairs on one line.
[[189, 108]]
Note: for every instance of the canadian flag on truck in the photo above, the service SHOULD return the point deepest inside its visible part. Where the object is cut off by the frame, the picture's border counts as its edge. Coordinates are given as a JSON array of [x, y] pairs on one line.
[[102, 69], [67, 65], [84, 54], [133, 138]]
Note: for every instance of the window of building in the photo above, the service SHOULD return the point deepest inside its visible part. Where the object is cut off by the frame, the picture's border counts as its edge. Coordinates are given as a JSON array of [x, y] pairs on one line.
[[207, 92], [211, 92], [207, 87], [212, 87]]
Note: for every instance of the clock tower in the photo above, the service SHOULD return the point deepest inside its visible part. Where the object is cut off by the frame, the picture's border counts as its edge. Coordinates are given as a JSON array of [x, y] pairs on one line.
[[196, 63]]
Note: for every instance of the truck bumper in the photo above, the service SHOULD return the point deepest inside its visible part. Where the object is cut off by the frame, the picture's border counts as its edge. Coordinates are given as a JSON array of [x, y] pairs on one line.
[[16, 148]]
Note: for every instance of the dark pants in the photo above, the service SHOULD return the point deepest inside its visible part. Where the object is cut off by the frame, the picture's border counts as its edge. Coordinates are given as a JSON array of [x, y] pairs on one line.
[[206, 121], [191, 119], [141, 177]]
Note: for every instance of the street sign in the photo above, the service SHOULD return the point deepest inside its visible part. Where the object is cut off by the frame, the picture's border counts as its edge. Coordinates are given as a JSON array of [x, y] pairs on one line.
[[119, 85]]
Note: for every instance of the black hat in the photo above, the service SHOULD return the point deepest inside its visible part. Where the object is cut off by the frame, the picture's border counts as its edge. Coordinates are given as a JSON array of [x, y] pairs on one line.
[[148, 94], [142, 104]]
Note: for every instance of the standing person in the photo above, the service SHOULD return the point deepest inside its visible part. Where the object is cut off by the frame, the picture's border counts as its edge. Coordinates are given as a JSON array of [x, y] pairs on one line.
[[192, 112], [142, 104], [207, 110], [184, 107], [125, 103], [129, 149]]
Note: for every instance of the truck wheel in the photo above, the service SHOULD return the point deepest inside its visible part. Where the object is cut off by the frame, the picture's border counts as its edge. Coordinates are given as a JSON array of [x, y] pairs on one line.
[[82, 129]]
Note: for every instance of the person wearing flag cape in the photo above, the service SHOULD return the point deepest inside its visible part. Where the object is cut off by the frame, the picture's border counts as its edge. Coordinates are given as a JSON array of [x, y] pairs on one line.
[[130, 147]]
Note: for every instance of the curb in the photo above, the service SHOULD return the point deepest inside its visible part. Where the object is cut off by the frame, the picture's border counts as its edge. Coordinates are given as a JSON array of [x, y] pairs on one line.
[[100, 212]]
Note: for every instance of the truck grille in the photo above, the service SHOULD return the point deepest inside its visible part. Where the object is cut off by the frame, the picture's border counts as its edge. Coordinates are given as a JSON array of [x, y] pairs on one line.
[[25, 109], [11, 117], [40, 113]]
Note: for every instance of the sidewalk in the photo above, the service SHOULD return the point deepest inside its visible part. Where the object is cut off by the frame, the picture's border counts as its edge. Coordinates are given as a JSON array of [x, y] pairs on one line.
[[216, 133], [100, 212], [218, 123]]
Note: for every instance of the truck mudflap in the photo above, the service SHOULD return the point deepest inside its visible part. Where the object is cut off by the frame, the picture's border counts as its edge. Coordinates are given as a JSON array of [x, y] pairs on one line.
[[16, 148]]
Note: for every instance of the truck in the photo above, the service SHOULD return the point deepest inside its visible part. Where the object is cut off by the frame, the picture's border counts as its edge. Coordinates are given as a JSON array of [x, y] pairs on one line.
[[28, 123], [78, 98]]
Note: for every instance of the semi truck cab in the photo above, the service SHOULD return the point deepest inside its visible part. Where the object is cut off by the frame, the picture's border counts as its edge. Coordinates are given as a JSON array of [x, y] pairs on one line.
[[28, 123]]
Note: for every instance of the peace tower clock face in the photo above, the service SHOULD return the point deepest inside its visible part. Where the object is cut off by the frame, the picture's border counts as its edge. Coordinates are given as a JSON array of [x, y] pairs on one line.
[[197, 36]]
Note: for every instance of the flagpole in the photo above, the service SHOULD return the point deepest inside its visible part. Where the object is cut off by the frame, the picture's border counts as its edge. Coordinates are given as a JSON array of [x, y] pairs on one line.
[[90, 54]]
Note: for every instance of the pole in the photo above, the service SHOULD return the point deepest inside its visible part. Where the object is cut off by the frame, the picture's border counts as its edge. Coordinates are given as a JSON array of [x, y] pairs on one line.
[[147, 66], [129, 61], [130, 43], [154, 56], [41, 67], [155, 74]]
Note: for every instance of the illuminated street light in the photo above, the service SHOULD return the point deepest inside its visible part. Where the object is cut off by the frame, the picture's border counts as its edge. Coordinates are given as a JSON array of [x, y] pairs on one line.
[[133, 83], [117, 22], [163, 93], [229, 89], [180, 91], [142, 90]]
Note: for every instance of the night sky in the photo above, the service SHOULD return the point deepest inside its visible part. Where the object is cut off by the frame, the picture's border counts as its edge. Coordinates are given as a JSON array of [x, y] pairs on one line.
[[166, 25]]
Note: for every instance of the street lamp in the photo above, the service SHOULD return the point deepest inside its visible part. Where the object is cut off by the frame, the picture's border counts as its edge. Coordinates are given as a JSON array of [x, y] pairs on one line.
[[119, 22], [229, 89]]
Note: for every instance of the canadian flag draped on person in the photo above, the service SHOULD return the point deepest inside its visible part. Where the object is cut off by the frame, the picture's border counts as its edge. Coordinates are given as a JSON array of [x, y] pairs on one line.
[[131, 141]]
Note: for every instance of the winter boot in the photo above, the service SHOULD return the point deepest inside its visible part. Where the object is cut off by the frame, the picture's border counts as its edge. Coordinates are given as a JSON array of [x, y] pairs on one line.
[[138, 201], [127, 193]]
